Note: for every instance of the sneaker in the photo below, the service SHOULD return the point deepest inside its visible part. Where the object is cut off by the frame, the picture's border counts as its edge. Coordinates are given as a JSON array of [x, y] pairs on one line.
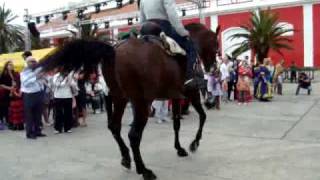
[[159, 121], [57, 132], [98, 112], [83, 125], [166, 119], [41, 135], [48, 124], [69, 131], [31, 137]]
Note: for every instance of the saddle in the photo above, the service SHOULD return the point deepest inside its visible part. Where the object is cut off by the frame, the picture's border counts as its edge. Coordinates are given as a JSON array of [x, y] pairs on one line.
[[169, 45]]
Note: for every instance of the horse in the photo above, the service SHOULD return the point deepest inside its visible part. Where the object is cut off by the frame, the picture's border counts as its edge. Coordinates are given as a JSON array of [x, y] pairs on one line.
[[139, 71]]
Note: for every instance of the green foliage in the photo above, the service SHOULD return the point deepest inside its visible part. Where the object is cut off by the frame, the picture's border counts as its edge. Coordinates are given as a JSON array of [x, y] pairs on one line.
[[11, 36], [88, 31], [261, 34]]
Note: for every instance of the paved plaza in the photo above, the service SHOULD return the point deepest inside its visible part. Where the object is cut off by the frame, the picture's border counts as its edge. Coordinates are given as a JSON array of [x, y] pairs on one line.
[[279, 140]]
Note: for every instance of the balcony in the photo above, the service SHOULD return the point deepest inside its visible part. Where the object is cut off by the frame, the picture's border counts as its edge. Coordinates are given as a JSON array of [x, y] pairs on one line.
[[231, 2]]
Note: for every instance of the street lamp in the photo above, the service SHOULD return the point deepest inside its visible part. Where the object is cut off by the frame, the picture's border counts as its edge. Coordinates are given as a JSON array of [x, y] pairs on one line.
[[27, 39], [200, 4]]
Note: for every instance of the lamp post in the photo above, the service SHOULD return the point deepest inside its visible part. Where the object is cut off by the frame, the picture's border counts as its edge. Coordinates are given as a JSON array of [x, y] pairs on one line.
[[200, 4], [27, 39]]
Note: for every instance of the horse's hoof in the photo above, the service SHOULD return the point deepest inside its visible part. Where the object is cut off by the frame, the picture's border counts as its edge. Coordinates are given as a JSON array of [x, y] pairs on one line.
[[194, 146], [149, 175], [182, 153], [126, 163]]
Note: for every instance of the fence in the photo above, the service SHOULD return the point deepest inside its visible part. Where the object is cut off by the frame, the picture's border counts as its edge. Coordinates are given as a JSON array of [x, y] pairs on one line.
[[311, 72]]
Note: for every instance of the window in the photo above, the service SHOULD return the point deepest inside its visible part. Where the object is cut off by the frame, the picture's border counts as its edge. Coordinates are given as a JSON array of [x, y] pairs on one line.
[[286, 26]]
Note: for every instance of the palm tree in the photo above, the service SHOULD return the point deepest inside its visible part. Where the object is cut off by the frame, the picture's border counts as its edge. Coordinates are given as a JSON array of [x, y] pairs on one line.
[[87, 31], [11, 35], [261, 34]]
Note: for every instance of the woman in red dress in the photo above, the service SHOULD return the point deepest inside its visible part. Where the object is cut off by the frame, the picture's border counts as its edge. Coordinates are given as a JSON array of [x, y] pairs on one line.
[[16, 109], [10, 82]]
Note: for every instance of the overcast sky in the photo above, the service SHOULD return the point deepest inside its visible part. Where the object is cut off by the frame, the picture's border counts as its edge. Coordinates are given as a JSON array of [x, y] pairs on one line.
[[34, 6]]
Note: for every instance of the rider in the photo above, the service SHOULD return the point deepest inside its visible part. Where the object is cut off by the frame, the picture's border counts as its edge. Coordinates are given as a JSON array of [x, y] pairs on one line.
[[163, 13]]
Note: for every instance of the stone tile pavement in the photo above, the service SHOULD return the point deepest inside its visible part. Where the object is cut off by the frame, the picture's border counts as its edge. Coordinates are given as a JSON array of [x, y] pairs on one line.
[[279, 140]]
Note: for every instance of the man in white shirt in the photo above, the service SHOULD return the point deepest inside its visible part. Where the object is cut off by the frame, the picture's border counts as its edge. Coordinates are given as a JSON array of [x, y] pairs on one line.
[[225, 69], [32, 89]]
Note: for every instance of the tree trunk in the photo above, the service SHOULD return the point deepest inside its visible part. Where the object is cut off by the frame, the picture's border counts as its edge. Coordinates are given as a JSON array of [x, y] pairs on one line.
[[262, 55]]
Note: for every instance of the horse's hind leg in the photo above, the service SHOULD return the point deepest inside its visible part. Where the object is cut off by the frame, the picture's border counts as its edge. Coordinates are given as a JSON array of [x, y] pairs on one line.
[[196, 103], [114, 124], [108, 105], [141, 112], [176, 126]]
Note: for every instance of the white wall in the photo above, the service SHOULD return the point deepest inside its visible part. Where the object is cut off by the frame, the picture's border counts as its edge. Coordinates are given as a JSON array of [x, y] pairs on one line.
[[228, 44], [308, 35]]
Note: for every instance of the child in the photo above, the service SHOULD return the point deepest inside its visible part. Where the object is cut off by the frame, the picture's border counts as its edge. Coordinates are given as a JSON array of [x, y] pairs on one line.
[[215, 89], [94, 89]]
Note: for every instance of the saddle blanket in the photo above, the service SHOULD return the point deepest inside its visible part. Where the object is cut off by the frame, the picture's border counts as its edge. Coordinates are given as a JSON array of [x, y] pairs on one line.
[[173, 46]]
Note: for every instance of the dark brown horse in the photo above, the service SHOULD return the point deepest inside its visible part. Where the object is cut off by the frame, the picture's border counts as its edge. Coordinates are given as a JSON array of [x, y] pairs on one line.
[[139, 71]]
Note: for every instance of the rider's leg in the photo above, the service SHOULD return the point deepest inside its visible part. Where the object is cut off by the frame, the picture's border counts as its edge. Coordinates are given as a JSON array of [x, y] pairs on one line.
[[184, 42], [191, 59]]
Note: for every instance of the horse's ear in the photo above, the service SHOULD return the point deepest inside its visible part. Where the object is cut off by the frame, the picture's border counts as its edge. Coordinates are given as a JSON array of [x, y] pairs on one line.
[[133, 35], [218, 29], [138, 3]]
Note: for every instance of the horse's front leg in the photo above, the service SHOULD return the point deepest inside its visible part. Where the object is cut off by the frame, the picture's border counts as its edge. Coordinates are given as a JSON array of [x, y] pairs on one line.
[[114, 124], [176, 109], [194, 96]]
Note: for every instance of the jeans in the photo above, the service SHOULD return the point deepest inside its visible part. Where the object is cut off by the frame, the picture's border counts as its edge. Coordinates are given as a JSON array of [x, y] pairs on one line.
[[161, 109], [33, 103], [230, 88], [97, 101], [63, 118], [186, 44], [293, 76]]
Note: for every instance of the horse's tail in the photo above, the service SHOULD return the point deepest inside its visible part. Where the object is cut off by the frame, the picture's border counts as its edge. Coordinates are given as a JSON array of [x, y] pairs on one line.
[[78, 54]]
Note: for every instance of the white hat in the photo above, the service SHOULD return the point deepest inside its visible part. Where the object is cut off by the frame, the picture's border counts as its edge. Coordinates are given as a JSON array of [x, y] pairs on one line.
[[30, 58]]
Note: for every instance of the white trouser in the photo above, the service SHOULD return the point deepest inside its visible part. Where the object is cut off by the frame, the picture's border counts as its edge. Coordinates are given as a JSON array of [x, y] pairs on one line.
[[161, 109]]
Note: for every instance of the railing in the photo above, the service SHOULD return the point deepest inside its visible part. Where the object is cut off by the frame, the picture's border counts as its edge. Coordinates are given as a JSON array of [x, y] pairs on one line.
[[231, 2], [311, 72], [193, 5]]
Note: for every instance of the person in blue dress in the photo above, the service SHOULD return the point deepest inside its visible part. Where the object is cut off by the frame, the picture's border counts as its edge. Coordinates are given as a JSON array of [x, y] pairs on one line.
[[262, 84]]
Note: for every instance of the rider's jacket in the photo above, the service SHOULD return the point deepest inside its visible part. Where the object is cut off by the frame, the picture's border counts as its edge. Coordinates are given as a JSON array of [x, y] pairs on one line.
[[163, 10]]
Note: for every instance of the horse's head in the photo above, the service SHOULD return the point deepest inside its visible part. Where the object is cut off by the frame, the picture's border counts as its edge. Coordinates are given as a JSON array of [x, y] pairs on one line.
[[206, 42]]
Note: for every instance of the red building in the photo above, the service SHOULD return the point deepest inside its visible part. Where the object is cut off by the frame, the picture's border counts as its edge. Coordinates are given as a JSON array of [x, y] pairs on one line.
[[301, 15]]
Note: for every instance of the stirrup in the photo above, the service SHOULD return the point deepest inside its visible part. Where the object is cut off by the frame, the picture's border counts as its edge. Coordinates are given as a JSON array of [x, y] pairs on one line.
[[188, 81]]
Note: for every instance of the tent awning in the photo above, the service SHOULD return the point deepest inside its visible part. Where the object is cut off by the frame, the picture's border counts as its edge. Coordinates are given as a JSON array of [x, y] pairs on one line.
[[17, 59]]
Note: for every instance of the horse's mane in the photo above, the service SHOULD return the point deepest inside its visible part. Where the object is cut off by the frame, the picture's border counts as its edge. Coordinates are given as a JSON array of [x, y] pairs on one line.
[[192, 27], [67, 57]]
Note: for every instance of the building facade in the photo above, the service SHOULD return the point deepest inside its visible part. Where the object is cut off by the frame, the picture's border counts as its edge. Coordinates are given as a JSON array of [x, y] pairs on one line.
[[301, 15]]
